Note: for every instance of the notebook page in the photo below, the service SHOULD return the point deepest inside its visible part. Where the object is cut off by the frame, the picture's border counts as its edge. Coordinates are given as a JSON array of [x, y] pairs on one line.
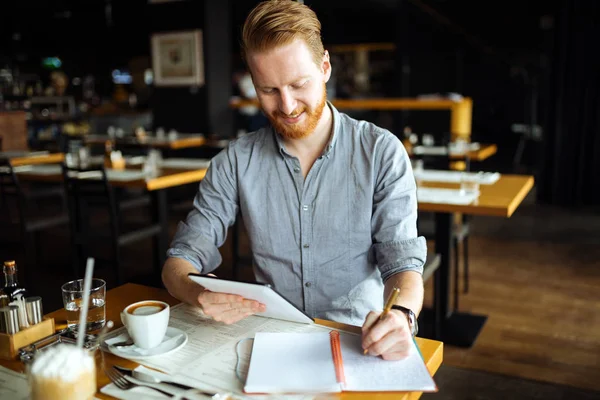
[[291, 363], [366, 373]]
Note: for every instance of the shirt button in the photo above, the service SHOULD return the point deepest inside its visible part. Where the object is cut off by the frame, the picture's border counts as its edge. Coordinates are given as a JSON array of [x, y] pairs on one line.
[[307, 284], [296, 169], [305, 207], [306, 246]]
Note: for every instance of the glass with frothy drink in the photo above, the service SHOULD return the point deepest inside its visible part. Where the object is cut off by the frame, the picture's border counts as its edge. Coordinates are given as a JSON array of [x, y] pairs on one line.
[[64, 372], [72, 293]]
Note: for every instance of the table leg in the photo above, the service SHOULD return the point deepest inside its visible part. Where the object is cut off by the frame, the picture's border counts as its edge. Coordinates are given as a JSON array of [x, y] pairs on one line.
[[457, 329]]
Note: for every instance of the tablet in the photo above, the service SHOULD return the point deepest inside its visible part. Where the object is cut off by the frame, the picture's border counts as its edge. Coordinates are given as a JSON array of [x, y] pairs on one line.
[[277, 306]]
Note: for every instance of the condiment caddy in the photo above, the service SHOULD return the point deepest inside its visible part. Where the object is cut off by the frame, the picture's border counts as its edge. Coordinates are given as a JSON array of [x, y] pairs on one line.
[[21, 317]]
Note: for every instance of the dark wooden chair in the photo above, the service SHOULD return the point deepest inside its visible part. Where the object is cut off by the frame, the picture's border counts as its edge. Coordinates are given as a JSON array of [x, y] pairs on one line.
[[92, 202], [28, 210]]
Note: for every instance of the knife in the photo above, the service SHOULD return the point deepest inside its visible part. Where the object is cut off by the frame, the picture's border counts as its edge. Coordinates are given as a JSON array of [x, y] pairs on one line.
[[145, 377]]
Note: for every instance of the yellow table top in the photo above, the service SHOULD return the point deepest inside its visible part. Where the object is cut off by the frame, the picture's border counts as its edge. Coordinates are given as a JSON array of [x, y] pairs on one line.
[[500, 199], [117, 299]]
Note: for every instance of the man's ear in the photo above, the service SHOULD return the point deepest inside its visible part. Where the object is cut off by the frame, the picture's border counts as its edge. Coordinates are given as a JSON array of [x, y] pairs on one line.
[[326, 67]]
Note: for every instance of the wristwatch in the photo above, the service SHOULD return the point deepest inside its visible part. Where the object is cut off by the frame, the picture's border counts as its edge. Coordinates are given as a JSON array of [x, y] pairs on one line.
[[412, 319]]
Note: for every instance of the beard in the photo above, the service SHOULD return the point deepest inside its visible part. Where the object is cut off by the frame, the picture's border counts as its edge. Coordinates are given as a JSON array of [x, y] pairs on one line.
[[303, 128]]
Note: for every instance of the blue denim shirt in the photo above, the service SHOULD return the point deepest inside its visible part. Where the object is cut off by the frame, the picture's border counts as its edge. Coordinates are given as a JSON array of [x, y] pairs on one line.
[[327, 242]]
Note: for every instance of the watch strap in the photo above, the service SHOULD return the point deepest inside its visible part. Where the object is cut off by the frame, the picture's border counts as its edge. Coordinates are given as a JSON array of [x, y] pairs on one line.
[[412, 318]]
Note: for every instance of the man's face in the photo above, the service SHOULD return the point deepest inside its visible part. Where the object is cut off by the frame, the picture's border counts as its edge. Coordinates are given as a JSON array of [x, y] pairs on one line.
[[290, 87]]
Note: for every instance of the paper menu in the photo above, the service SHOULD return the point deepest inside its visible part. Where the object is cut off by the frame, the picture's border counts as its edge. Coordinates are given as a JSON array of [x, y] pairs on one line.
[[13, 385], [303, 363], [209, 357]]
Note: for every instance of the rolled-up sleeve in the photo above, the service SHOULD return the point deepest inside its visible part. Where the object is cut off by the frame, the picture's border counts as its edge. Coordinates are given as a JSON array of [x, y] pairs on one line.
[[198, 238], [396, 244]]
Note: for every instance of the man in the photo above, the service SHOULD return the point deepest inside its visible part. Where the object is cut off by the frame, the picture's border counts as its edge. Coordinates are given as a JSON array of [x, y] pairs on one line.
[[329, 202]]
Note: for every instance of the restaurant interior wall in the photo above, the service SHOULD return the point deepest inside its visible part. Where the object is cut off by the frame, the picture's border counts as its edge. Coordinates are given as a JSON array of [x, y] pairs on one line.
[[439, 58]]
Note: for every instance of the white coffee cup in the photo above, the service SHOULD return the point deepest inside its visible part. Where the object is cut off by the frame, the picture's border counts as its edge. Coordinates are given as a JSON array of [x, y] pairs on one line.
[[146, 322]]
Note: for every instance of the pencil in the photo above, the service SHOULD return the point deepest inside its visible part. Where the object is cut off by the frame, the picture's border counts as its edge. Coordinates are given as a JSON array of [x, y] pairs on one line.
[[388, 306]]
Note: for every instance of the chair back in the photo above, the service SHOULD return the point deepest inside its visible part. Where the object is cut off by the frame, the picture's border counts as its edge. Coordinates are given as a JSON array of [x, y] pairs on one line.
[[12, 199], [88, 188]]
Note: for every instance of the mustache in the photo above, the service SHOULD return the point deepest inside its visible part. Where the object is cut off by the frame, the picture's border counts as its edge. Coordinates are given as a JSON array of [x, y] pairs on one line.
[[294, 113]]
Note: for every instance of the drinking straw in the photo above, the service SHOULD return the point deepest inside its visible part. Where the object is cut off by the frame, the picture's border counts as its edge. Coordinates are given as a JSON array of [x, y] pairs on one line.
[[83, 310]]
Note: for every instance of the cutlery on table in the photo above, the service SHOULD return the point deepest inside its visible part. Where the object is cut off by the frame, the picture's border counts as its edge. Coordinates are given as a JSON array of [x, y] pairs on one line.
[[123, 383], [148, 378], [145, 377]]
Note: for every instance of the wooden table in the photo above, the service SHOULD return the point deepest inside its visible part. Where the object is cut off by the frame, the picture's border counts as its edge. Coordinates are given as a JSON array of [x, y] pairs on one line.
[[500, 199], [164, 179], [117, 299], [18, 158], [182, 141]]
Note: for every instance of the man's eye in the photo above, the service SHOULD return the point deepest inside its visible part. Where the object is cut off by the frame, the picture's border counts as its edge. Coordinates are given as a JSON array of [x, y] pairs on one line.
[[299, 85], [268, 91]]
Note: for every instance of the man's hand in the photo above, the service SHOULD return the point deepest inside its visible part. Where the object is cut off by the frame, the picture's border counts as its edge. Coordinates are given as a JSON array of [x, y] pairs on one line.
[[389, 338], [227, 308]]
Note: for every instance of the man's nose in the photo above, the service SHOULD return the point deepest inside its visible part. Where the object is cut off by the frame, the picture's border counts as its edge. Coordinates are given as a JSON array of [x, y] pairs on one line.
[[287, 103]]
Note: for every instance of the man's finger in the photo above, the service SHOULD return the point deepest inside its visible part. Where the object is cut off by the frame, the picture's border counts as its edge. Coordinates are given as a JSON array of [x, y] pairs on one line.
[[226, 298], [215, 297], [234, 315], [369, 321], [398, 355], [378, 330], [393, 341]]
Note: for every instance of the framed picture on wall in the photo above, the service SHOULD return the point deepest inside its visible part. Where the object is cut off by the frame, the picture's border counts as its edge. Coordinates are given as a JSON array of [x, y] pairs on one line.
[[177, 58]]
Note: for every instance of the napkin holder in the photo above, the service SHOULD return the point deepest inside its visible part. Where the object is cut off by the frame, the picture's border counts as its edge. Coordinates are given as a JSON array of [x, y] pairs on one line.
[[10, 344]]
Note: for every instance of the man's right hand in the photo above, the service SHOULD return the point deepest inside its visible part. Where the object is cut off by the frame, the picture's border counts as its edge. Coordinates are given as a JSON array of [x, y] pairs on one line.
[[227, 308]]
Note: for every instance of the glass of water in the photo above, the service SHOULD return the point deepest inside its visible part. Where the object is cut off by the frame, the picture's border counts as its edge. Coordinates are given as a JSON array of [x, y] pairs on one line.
[[469, 183], [72, 293]]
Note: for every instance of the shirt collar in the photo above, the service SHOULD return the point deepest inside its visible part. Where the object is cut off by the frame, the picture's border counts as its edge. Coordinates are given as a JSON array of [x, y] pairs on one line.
[[332, 140]]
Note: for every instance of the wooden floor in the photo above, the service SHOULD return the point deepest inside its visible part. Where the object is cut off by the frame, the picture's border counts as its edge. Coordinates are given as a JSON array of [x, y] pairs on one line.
[[540, 289]]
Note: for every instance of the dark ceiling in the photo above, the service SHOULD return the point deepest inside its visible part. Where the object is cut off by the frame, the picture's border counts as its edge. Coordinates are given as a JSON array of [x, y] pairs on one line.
[[509, 29]]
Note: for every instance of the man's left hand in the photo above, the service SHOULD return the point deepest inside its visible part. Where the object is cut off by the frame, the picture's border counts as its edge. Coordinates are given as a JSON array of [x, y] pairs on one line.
[[389, 338]]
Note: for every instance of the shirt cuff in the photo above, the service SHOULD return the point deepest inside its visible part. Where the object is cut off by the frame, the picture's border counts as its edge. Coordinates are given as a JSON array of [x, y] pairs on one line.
[[179, 253], [393, 271], [400, 255]]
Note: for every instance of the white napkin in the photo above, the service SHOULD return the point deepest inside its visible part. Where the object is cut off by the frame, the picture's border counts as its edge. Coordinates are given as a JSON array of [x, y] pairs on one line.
[[133, 350], [136, 393], [436, 175], [41, 169], [184, 163], [445, 196], [124, 175]]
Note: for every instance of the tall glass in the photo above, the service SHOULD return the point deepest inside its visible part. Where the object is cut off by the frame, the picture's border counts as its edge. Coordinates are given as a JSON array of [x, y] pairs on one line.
[[62, 372], [72, 293]]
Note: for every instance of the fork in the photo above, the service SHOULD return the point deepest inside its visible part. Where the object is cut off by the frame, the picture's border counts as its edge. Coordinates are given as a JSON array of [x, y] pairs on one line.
[[122, 383]]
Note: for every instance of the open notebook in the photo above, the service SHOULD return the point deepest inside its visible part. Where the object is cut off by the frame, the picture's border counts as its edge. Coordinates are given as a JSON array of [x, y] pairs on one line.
[[329, 362]]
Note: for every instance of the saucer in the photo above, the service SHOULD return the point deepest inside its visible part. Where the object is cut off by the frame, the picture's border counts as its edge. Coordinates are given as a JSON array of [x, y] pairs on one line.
[[174, 340]]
